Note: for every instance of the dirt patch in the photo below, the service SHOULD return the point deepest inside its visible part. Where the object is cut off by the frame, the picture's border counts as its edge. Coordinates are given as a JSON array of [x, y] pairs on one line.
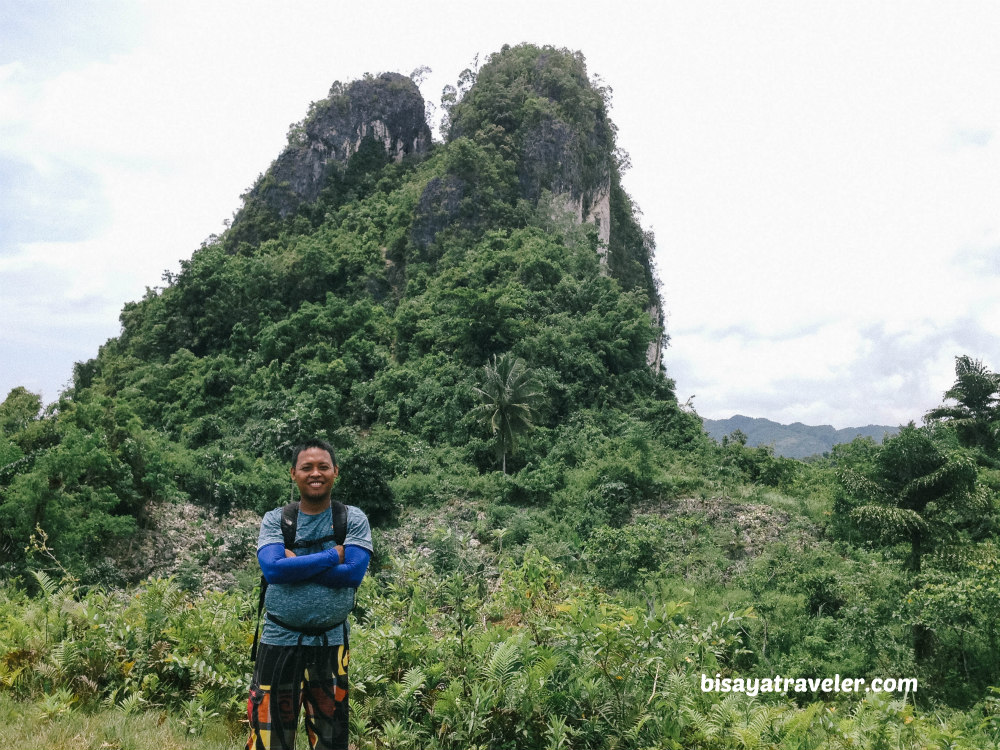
[[753, 525], [189, 542]]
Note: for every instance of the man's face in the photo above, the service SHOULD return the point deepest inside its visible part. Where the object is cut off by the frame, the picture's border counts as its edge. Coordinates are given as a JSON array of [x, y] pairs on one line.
[[314, 474]]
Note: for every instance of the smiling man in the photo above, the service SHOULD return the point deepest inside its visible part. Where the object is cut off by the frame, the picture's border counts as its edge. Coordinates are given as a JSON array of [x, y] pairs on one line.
[[304, 648]]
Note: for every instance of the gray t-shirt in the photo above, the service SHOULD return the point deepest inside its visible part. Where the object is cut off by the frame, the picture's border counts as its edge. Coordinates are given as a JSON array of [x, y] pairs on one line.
[[306, 603]]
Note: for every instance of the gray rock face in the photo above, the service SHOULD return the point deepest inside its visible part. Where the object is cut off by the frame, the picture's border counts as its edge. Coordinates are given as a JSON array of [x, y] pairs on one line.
[[387, 109], [553, 159], [439, 205], [654, 352]]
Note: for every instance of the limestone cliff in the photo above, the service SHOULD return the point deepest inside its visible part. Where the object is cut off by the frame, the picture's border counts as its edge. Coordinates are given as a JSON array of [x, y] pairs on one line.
[[554, 158], [539, 106], [386, 111], [531, 132]]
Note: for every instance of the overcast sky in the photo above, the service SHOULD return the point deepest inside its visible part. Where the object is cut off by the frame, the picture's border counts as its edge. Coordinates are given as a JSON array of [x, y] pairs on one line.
[[823, 179]]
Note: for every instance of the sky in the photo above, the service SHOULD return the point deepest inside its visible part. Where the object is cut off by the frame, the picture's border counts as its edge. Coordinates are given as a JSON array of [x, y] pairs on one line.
[[822, 178]]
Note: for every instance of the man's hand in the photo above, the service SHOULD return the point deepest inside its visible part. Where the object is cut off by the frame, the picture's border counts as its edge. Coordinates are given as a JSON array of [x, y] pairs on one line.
[[289, 553]]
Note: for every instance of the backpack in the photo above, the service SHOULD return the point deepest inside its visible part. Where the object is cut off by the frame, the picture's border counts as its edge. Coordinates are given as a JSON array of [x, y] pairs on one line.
[[289, 525]]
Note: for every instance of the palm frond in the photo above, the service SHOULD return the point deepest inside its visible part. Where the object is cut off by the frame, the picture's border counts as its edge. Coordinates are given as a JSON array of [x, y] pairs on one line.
[[958, 470], [504, 662], [888, 520], [410, 686], [861, 486]]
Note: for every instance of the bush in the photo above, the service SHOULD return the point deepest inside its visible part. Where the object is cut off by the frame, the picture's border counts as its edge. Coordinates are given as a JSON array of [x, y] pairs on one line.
[[364, 482], [620, 557]]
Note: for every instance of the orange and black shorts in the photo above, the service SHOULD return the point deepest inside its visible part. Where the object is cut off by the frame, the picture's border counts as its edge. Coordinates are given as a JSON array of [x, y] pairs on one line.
[[286, 678]]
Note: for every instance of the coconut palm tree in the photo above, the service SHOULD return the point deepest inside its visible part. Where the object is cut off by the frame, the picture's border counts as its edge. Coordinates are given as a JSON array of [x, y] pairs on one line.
[[507, 397]]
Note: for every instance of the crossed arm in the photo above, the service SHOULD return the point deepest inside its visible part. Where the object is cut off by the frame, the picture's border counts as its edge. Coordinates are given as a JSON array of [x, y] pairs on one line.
[[323, 567]]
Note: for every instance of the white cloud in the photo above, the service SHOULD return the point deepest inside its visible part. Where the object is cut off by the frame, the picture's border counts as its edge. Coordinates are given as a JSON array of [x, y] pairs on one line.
[[822, 180]]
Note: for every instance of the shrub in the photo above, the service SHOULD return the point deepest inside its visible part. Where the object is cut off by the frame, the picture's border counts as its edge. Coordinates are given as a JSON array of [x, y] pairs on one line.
[[364, 482], [620, 557]]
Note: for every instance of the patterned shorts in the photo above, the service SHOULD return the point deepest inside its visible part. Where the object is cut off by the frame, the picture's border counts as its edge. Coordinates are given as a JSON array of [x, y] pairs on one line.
[[285, 678]]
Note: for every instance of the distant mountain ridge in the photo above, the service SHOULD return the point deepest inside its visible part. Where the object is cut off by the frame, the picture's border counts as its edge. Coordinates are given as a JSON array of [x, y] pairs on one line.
[[793, 440]]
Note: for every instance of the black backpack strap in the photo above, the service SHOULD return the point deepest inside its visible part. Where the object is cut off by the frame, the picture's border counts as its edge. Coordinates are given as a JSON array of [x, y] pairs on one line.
[[340, 534], [339, 522], [289, 523], [339, 527], [260, 611]]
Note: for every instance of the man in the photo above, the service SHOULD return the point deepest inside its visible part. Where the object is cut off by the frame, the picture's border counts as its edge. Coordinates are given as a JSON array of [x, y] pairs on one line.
[[304, 653]]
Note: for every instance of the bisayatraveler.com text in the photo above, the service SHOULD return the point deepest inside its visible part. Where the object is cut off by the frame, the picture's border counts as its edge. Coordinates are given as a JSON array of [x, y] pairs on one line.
[[778, 684]]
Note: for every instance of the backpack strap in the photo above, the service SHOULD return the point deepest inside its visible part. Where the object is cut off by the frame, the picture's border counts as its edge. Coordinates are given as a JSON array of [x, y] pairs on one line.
[[289, 524], [339, 522], [339, 527]]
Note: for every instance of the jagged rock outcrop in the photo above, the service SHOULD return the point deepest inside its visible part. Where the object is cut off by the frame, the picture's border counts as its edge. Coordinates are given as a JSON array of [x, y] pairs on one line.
[[555, 158], [535, 112], [387, 110], [538, 106]]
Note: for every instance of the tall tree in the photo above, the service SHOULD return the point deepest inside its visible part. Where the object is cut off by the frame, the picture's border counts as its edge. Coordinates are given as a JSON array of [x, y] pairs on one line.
[[914, 491], [19, 408], [976, 413], [917, 493], [507, 397]]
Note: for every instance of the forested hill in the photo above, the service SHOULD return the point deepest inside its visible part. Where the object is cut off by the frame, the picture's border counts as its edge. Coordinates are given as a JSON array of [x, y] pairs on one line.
[[794, 440], [370, 283]]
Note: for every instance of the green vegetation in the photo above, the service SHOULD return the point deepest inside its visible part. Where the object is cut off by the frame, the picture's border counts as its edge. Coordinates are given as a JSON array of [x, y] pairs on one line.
[[429, 316], [975, 415]]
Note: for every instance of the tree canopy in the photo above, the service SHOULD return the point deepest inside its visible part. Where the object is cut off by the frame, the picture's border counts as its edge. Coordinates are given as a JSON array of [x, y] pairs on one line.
[[975, 415]]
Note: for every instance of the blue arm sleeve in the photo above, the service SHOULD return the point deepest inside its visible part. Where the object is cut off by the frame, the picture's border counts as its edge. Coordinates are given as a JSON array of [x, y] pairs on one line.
[[350, 572], [280, 569]]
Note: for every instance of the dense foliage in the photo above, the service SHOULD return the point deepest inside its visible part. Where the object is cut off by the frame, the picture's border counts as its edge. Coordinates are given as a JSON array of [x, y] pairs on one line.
[[528, 658], [561, 552]]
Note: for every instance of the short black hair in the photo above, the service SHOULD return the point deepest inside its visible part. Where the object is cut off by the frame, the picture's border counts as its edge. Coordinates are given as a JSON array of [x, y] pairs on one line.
[[314, 443]]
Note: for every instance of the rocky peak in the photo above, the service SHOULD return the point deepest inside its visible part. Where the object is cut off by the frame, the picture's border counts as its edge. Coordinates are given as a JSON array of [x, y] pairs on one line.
[[539, 106], [555, 118], [386, 110]]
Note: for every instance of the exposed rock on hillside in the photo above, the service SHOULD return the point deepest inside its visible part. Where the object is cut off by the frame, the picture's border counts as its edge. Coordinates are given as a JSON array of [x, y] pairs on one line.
[[387, 110], [440, 204], [654, 352], [536, 110], [185, 540], [554, 158], [540, 104]]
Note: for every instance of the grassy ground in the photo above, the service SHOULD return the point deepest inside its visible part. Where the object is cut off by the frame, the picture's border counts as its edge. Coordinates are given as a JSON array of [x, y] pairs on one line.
[[39, 725]]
